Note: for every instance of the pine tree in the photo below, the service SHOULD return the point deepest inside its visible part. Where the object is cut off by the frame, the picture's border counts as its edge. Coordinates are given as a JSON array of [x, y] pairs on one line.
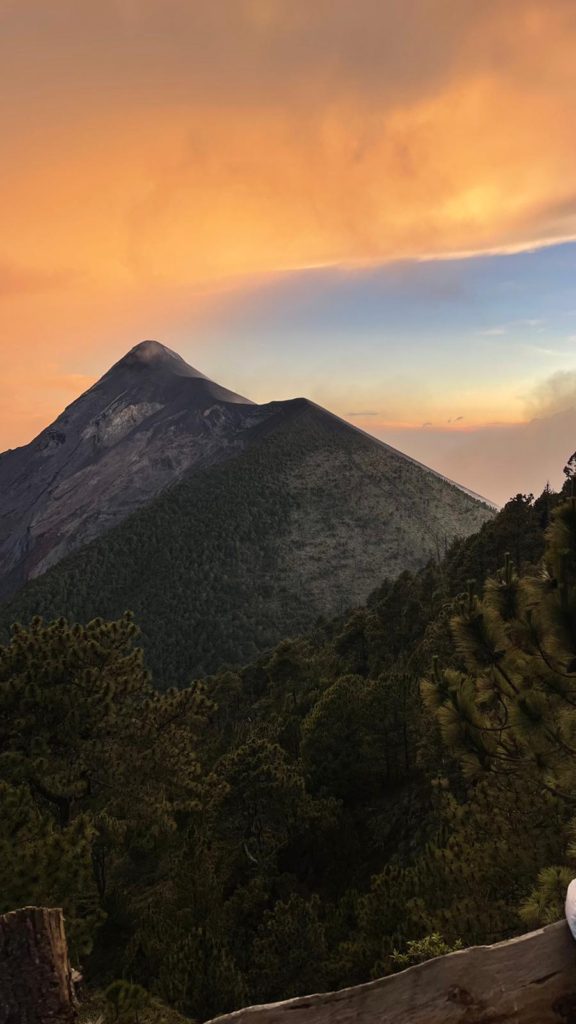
[[509, 709], [107, 765], [289, 950], [43, 865]]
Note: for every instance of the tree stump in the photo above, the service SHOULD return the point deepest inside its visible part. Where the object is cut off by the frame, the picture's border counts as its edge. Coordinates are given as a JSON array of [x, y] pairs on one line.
[[35, 974]]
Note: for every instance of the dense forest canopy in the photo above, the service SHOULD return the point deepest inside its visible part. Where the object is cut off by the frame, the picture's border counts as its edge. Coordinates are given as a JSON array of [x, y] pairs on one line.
[[307, 821]]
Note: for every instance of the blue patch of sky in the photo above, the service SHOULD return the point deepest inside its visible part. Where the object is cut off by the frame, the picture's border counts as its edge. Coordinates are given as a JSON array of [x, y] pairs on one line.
[[512, 313]]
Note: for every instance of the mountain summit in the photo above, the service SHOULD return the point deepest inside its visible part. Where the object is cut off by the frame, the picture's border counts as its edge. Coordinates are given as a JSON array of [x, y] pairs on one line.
[[150, 366], [153, 355], [154, 369], [139, 428], [159, 357], [335, 509]]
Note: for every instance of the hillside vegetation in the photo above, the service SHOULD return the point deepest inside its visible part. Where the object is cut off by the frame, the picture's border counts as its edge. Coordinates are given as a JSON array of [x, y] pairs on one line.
[[302, 823], [304, 524]]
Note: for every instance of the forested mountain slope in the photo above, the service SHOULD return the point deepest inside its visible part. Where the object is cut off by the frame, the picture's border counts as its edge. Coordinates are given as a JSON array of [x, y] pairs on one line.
[[305, 522], [296, 825]]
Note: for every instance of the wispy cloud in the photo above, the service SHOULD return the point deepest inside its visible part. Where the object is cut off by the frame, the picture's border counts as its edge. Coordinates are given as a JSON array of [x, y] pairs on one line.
[[545, 350], [366, 412], [501, 329]]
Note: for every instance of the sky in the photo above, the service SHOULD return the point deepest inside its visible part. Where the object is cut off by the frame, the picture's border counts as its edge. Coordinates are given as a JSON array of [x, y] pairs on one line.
[[369, 203]]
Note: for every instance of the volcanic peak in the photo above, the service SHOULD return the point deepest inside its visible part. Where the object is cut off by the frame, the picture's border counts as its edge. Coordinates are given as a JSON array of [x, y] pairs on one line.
[[155, 356]]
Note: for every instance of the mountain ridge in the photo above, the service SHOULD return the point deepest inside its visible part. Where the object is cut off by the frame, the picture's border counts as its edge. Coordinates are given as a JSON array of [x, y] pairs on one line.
[[416, 462], [144, 425], [304, 521]]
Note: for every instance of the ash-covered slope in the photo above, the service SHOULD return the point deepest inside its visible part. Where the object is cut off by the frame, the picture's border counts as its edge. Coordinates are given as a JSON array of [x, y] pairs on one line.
[[137, 430], [306, 519]]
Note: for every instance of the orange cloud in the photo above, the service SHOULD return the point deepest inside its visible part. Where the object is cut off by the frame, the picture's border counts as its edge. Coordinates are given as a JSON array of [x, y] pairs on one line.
[[160, 144]]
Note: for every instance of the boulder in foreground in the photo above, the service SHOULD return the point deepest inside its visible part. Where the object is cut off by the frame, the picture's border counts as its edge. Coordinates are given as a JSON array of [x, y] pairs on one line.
[[527, 980]]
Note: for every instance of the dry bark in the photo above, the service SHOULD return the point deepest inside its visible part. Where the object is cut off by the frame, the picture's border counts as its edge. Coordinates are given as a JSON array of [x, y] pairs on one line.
[[35, 975]]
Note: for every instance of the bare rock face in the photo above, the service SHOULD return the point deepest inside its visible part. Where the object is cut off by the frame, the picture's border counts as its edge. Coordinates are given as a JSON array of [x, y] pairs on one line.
[[528, 980], [137, 430]]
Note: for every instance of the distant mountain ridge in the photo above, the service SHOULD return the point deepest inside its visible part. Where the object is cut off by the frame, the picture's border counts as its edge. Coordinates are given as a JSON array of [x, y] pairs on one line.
[[222, 524]]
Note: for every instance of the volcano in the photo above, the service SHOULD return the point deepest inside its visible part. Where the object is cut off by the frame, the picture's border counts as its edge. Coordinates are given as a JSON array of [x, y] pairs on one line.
[[159, 477]]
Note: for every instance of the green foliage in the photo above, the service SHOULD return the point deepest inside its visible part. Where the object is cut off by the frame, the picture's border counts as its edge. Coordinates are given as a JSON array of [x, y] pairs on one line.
[[126, 1002], [96, 769], [290, 948], [508, 709], [510, 704], [263, 798], [44, 865], [298, 824], [545, 904], [354, 740], [420, 950]]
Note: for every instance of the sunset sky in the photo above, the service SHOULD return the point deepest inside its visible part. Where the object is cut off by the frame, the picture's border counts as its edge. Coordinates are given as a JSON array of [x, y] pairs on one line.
[[372, 203]]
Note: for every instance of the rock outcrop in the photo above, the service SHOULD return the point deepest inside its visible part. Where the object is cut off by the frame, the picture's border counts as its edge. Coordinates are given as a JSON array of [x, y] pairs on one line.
[[527, 980]]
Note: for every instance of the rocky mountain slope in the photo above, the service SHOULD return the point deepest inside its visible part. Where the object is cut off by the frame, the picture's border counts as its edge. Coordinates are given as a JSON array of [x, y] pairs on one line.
[[283, 513], [138, 429]]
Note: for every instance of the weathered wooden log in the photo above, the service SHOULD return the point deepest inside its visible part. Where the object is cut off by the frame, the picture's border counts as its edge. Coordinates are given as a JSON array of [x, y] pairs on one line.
[[35, 975], [528, 980]]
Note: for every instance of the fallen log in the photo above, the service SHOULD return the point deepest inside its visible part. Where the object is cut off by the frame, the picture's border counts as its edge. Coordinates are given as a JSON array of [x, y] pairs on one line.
[[36, 984], [528, 980]]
